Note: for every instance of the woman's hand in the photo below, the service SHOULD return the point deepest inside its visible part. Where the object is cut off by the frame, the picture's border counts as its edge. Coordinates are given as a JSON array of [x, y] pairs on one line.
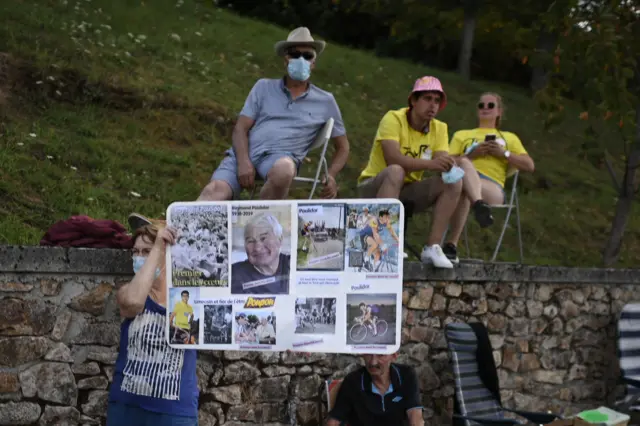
[[166, 236]]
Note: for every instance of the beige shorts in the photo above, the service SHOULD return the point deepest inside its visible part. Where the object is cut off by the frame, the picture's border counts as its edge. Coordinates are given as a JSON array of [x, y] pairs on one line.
[[421, 194]]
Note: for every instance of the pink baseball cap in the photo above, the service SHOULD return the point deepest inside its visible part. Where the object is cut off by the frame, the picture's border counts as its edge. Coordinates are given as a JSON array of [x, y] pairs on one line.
[[429, 84]]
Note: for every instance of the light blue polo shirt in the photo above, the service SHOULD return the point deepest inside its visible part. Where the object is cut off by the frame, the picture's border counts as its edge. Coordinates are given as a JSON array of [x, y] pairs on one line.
[[284, 125]]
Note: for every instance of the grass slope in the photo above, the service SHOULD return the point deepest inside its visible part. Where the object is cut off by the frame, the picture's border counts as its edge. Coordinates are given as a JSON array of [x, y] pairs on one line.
[[120, 106]]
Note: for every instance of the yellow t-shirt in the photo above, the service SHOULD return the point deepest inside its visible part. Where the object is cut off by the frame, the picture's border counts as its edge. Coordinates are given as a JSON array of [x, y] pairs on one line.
[[490, 166], [183, 311], [395, 126]]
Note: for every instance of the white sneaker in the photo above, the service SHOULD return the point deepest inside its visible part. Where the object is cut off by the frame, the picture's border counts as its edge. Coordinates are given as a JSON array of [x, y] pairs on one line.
[[434, 255]]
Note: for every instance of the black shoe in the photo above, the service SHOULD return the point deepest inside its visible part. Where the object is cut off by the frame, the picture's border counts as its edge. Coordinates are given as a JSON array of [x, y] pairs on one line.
[[482, 212], [451, 252]]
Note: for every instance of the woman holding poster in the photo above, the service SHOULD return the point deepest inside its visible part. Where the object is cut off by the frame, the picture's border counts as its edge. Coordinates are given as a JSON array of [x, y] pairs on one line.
[[153, 383]]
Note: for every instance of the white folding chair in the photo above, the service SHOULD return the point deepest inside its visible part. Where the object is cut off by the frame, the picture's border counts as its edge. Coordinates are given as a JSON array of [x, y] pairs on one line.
[[321, 141], [510, 206]]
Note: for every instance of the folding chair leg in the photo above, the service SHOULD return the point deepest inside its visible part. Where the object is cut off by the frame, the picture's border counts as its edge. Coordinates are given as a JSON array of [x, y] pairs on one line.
[[519, 229], [504, 229], [466, 241]]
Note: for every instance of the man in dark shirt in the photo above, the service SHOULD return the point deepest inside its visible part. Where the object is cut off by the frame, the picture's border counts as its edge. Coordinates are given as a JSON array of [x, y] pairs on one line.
[[380, 393], [266, 270]]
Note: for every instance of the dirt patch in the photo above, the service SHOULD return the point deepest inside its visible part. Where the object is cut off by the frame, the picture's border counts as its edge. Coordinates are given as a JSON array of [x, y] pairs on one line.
[[21, 80]]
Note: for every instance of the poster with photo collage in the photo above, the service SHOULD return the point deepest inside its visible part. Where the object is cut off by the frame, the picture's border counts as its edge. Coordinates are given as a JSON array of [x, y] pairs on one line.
[[308, 276]]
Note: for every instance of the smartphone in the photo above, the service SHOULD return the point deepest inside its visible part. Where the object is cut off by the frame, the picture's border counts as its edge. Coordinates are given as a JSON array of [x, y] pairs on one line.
[[490, 138]]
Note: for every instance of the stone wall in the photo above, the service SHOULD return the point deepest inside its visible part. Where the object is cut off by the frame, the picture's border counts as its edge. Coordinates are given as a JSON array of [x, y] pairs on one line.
[[553, 331]]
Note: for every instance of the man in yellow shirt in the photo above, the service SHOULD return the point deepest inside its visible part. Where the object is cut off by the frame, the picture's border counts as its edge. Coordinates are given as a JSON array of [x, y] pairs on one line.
[[410, 141], [182, 313]]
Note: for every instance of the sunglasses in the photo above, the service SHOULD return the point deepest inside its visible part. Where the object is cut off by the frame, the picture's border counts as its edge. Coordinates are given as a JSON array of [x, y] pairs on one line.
[[295, 54], [490, 105]]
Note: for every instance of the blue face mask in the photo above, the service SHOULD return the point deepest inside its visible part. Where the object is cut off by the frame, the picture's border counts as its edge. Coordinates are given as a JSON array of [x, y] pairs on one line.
[[138, 261], [299, 69]]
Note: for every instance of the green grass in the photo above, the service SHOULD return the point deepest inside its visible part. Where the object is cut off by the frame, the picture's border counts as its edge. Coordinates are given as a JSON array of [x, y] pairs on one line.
[[114, 114]]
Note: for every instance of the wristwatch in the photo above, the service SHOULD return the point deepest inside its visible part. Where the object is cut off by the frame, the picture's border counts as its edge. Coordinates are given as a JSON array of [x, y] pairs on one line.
[[507, 154]]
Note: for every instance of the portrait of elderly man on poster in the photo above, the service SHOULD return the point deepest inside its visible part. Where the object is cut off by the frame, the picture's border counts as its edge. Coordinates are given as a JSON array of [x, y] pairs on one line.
[[266, 269]]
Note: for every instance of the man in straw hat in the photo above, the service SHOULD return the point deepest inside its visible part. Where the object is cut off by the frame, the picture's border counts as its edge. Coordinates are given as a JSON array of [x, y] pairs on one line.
[[410, 141], [279, 121]]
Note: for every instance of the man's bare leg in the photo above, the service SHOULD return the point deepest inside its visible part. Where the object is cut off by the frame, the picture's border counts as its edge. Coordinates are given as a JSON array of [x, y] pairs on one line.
[[445, 205], [392, 181], [279, 179], [216, 190]]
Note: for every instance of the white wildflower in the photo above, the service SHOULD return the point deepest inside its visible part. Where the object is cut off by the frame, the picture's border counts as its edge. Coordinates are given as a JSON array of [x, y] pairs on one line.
[[50, 157], [142, 37], [127, 54], [135, 194], [249, 54], [130, 35], [73, 168], [51, 78], [90, 199], [198, 33], [58, 93], [33, 135], [39, 82], [20, 144], [175, 36]]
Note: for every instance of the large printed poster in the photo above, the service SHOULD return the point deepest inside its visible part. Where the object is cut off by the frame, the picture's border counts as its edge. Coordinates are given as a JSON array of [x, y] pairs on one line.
[[309, 276]]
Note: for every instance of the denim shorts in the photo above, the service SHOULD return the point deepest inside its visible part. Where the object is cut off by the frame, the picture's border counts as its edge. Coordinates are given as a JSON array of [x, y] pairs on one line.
[[227, 171], [119, 414]]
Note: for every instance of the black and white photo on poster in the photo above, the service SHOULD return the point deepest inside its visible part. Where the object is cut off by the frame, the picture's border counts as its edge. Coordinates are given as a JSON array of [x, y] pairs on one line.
[[372, 242], [321, 235], [200, 256], [315, 315], [255, 327], [261, 249], [218, 324], [371, 319]]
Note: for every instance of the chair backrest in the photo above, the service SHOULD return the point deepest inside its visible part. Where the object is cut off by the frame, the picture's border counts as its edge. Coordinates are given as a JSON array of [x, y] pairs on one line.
[[473, 396], [332, 387], [629, 344], [323, 135]]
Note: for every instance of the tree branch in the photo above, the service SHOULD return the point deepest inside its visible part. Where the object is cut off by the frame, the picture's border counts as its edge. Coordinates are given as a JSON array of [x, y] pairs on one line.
[[612, 172]]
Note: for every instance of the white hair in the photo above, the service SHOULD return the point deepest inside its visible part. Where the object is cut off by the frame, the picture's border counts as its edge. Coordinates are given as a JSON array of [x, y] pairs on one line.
[[264, 219]]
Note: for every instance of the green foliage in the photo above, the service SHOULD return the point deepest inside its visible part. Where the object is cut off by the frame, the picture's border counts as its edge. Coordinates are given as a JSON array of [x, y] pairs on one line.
[[156, 121], [595, 63]]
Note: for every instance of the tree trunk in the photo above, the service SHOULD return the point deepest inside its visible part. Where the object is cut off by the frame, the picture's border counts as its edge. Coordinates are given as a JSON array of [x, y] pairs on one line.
[[625, 200], [466, 46], [540, 74]]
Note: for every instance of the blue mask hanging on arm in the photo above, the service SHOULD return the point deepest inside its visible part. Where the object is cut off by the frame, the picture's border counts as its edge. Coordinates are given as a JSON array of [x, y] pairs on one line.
[[138, 262]]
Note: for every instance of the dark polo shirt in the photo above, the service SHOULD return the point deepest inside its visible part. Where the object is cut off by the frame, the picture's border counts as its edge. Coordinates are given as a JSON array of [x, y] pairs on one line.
[[359, 403]]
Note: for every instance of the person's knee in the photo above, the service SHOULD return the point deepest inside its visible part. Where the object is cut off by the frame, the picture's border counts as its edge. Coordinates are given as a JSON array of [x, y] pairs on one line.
[[216, 190], [282, 172], [465, 164], [453, 188], [394, 175]]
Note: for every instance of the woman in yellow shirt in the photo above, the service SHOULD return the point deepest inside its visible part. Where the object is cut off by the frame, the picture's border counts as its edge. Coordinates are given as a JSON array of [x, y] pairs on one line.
[[494, 153]]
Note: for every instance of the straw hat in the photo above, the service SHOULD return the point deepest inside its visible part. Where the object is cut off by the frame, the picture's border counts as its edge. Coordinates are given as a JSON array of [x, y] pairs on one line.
[[299, 37]]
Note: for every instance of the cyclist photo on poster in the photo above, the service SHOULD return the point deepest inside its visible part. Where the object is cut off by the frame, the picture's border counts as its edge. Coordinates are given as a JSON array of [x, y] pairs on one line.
[[184, 316], [218, 322], [371, 319], [372, 238], [321, 235], [315, 315]]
